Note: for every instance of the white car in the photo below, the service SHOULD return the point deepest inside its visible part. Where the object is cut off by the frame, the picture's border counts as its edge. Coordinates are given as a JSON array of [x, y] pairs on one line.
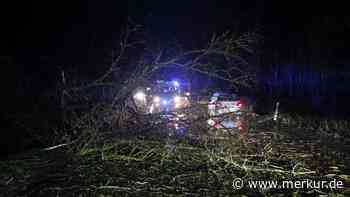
[[225, 111], [224, 103]]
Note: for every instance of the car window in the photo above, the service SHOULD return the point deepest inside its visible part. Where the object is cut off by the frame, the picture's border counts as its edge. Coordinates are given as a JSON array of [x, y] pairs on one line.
[[232, 97], [213, 99], [223, 98]]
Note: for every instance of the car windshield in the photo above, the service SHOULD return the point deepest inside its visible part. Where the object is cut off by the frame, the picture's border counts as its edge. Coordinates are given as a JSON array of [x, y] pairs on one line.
[[228, 97]]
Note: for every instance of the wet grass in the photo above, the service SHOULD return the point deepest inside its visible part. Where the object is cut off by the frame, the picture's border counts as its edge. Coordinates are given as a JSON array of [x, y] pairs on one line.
[[153, 164]]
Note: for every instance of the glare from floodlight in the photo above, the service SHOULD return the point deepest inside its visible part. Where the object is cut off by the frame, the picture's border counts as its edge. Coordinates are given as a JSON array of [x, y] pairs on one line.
[[156, 99], [140, 96], [177, 99]]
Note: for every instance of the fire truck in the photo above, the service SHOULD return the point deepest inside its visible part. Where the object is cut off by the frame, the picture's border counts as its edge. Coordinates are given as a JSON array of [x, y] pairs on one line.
[[163, 96]]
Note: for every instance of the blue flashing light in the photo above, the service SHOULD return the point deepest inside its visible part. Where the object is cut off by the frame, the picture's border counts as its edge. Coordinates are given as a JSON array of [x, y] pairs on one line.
[[176, 83]]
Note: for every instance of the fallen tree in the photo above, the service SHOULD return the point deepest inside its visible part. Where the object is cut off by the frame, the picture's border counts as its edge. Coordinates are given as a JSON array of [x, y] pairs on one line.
[[223, 57]]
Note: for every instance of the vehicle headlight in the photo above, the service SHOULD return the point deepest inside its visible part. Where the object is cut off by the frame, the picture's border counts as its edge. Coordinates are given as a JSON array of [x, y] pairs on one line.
[[156, 99], [140, 96], [177, 99]]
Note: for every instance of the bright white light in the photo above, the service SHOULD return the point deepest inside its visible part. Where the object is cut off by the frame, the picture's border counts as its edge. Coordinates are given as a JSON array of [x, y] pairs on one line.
[[188, 94], [151, 109], [211, 122], [176, 83], [140, 96], [165, 102], [156, 99], [177, 99]]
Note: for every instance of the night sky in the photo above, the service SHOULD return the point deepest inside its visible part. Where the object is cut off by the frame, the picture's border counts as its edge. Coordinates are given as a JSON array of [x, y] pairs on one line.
[[40, 38]]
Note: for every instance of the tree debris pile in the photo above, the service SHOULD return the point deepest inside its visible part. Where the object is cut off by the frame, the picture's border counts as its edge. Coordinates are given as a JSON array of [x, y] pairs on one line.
[[161, 165]]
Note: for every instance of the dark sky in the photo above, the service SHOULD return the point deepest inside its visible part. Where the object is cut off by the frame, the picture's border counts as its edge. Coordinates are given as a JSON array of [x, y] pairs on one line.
[[72, 30], [42, 37], [76, 31]]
